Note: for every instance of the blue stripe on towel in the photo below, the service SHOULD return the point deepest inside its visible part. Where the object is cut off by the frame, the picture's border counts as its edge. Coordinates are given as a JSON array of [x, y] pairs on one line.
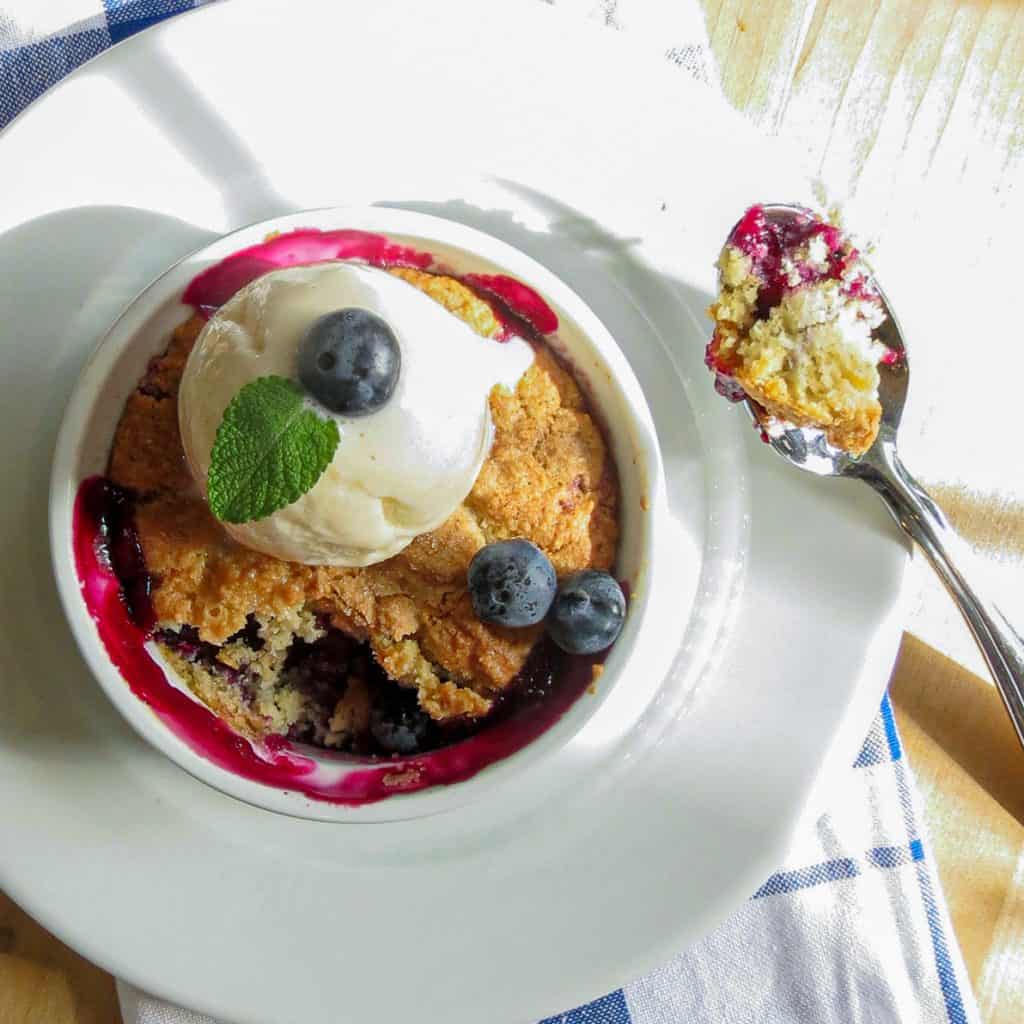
[[126, 17], [609, 1009], [28, 71]]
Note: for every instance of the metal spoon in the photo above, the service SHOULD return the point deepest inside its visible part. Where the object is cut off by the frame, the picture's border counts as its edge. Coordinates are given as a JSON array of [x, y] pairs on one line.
[[909, 503]]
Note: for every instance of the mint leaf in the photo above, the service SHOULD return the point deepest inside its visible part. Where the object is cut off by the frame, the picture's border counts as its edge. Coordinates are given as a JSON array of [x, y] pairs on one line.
[[269, 451]]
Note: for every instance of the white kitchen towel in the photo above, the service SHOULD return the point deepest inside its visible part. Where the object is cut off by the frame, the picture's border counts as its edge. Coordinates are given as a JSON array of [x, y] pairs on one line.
[[853, 929]]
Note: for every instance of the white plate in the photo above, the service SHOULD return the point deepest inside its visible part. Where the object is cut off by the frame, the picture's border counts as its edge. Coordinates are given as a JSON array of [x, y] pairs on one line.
[[620, 175]]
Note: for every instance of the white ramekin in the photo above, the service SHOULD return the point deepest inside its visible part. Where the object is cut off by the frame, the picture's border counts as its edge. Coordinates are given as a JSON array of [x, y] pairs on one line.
[[143, 330]]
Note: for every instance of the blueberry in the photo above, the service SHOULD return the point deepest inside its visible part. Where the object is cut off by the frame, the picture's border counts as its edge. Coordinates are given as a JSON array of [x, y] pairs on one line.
[[511, 583], [398, 729], [587, 613], [349, 361]]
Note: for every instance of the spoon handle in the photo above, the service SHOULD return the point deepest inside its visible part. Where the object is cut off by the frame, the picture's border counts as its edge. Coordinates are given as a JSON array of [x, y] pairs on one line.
[[922, 519]]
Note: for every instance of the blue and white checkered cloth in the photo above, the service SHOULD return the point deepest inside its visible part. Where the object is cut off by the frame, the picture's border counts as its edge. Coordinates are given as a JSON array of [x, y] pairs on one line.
[[853, 929]]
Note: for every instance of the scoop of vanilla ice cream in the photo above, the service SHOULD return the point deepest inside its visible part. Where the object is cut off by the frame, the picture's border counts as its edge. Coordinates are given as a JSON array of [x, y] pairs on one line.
[[398, 472]]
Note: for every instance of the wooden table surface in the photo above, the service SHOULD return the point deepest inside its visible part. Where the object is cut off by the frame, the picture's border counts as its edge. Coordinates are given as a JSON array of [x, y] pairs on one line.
[[912, 112]]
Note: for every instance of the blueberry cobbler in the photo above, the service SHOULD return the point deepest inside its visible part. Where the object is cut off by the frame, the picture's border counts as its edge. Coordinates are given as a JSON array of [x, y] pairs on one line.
[[359, 504], [794, 319]]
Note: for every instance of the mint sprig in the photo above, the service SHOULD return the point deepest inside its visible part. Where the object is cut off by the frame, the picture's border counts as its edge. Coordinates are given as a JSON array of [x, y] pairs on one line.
[[269, 451]]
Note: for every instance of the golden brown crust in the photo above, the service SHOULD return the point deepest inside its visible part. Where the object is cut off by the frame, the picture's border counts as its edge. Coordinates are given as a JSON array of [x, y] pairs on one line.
[[165, 370], [796, 362], [855, 432], [146, 456], [548, 478]]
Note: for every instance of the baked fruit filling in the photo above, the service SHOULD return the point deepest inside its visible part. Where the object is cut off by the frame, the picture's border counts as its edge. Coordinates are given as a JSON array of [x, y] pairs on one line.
[[794, 318], [384, 658]]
